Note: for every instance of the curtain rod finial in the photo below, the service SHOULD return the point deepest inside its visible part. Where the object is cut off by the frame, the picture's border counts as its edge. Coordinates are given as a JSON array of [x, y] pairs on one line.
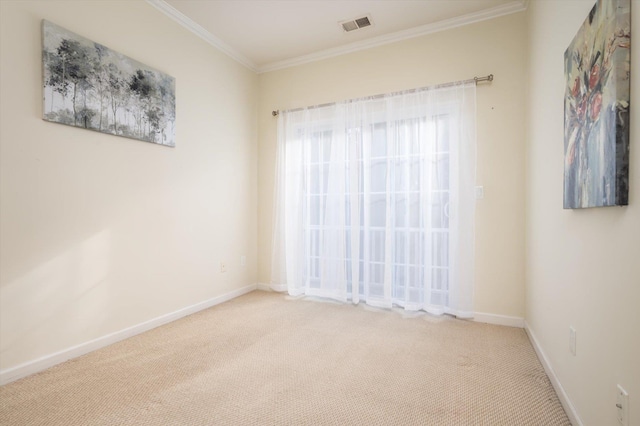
[[485, 78], [275, 113]]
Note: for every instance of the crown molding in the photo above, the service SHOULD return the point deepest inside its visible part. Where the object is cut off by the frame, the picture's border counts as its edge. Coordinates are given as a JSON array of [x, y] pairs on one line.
[[495, 12], [505, 9], [198, 30]]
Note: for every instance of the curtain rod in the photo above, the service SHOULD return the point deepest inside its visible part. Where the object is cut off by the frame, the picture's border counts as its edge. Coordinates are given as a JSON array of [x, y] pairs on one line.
[[438, 86]]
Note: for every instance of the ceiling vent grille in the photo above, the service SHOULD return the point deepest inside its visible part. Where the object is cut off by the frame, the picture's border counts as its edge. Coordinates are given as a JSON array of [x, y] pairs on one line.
[[356, 24]]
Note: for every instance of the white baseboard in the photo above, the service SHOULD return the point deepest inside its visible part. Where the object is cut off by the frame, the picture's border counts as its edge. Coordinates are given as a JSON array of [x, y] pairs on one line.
[[14, 373], [271, 287], [477, 316], [263, 287], [498, 319], [562, 395]]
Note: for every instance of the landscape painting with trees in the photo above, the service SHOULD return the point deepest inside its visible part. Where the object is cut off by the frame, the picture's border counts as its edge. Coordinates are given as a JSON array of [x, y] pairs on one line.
[[89, 85]]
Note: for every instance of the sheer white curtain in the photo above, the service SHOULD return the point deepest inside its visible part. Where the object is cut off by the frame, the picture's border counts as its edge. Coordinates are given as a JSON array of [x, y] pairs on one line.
[[374, 200]]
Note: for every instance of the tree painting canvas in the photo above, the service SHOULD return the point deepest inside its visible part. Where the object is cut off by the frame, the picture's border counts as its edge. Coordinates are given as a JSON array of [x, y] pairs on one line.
[[596, 109], [89, 85]]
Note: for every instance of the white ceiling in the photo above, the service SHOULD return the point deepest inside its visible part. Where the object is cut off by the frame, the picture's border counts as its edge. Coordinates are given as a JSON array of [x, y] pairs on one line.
[[272, 34]]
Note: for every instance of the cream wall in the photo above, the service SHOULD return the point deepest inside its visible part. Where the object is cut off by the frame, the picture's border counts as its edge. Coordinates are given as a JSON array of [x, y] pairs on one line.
[[496, 46], [583, 266], [97, 232]]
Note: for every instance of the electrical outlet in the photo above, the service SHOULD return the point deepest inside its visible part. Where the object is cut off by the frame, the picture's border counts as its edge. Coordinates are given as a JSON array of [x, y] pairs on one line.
[[243, 260], [223, 267], [572, 340], [479, 192], [622, 406]]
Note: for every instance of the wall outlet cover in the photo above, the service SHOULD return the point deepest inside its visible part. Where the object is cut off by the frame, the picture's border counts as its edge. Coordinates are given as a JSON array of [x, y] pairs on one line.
[[622, 406], [572, 340]]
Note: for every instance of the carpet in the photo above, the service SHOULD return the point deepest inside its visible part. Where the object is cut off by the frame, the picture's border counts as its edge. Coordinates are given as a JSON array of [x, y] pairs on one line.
[[269, 359]]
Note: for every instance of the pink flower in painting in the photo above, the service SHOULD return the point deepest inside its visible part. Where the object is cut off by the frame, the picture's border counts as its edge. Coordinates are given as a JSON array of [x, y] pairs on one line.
[[582, 108], [596, 105], [594, 76]]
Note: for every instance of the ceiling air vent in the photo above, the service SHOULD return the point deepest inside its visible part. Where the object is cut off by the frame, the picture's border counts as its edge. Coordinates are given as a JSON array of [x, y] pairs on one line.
[[356, 24]]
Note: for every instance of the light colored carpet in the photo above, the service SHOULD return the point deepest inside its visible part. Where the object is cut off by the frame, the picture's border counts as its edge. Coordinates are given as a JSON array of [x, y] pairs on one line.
[[265, 359]]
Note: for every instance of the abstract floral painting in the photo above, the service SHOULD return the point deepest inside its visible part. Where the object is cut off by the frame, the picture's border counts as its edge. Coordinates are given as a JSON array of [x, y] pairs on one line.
[[596, 109], [89, 85]]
